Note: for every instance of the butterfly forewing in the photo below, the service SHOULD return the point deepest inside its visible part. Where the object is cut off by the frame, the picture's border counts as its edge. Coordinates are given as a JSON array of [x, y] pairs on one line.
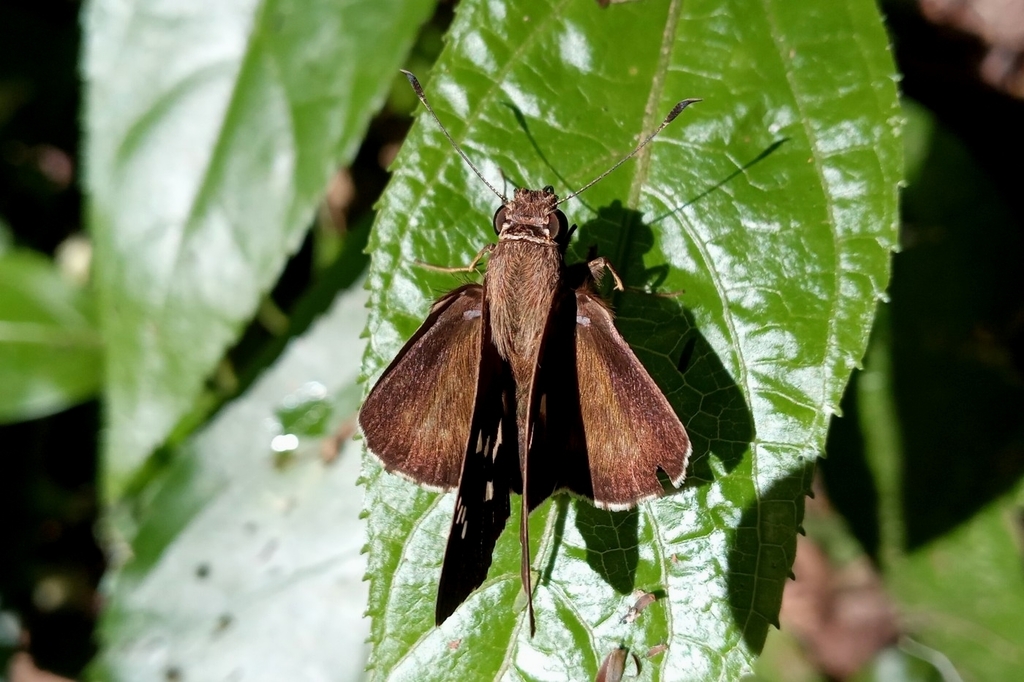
[[631, 431], [416, 418]]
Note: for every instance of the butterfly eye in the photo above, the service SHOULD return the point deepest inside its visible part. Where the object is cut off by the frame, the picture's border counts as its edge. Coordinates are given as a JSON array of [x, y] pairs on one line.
[[548, 189], [558, 225], [499, 219]]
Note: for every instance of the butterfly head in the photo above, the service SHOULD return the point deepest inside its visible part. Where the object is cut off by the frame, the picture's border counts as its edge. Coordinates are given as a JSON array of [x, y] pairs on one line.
[[533, 215]]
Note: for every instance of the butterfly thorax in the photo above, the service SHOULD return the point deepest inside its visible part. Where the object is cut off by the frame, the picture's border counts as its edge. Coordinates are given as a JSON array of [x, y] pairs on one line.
[[522, 279], [523, 275]]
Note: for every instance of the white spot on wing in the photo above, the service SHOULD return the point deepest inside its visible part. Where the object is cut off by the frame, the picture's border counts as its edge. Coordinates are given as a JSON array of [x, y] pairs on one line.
[[583, 320], [471, 314], [489, 493], [465, 526], [479, 442]]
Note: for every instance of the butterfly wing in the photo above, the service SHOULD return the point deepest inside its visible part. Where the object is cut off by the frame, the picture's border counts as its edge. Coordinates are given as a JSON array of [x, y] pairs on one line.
[[599, 426], [490, 470], [557, 457], [416, 418], [630, 430]]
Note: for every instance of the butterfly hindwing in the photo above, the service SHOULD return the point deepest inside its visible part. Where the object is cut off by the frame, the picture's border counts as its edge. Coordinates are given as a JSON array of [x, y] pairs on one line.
[[416, 418], [490, 470], [550, 460], [558, 456]]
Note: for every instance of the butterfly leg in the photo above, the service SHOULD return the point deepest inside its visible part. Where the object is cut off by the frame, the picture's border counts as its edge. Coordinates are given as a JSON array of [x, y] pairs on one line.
[[467, 268], [599, 265]]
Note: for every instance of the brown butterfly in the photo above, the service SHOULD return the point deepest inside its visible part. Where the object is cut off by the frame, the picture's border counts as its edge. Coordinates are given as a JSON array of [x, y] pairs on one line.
[[522, 385]]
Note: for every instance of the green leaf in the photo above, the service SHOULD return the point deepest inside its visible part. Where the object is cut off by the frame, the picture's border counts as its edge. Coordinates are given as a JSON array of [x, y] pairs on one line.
[[772, 203], [212, 130], [50, 351], [245, 563]]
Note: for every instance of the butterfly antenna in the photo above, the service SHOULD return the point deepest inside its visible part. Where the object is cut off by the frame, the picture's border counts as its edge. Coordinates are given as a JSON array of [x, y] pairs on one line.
[[423, 98], [676, 110]]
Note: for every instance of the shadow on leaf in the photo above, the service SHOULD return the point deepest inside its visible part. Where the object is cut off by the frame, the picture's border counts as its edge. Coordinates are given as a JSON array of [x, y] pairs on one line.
[[762, 551], [612, 544]]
